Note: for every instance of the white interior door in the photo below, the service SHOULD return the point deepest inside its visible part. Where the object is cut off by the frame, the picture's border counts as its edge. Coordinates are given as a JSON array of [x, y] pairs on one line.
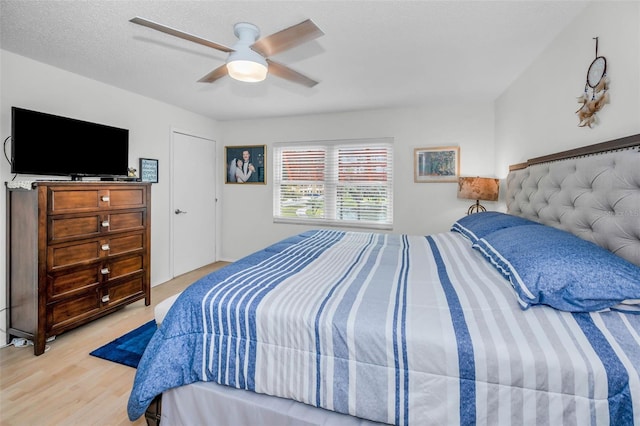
[[193, 202]]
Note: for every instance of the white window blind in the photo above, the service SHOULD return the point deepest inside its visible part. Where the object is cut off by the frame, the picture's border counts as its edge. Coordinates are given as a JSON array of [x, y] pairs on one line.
[[347, 182]]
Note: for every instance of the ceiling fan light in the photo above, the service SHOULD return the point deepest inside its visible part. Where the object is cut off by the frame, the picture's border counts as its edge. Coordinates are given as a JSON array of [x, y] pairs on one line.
[[247, 71], [246, 65]]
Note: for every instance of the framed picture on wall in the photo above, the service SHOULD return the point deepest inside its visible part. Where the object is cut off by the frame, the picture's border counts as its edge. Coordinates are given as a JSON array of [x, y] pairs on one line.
[[436, 164], [246, 164]]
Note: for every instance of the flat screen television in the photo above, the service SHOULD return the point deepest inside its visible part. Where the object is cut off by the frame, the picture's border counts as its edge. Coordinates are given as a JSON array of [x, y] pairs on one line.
[[46, 144]]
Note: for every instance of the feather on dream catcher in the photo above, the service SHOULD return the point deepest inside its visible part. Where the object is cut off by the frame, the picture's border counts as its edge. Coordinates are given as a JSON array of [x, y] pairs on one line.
[[596, 91]]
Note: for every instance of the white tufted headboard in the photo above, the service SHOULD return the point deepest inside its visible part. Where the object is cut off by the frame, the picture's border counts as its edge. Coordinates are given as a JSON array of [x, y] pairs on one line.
[[592, 192]]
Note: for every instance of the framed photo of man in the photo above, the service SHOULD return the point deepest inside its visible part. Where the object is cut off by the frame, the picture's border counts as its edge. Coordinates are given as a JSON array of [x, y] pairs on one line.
[[246, 164]]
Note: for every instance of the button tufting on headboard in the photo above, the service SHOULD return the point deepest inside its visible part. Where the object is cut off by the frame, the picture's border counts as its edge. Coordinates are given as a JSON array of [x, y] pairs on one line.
[[596, 197]]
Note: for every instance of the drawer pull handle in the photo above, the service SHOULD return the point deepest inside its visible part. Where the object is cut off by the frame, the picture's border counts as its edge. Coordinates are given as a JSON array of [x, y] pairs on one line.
[[104, 271], [105, 247], [105, 223], [105, 198], [105, 299]]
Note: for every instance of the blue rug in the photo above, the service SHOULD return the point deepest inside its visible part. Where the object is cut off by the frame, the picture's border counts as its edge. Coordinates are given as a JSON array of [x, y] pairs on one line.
[[128, 349]]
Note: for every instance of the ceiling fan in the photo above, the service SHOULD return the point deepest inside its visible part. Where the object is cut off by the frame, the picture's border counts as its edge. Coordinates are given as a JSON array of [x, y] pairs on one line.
[[248, 59]]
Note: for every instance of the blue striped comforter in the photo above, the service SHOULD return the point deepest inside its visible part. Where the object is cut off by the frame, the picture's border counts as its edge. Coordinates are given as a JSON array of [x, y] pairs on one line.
[[394, 328]]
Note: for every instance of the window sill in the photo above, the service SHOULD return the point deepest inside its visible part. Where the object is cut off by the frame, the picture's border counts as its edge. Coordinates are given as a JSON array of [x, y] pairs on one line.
[[337, 223]]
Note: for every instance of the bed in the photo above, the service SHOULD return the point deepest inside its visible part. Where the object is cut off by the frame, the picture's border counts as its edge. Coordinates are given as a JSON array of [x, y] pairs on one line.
[[529, 316]]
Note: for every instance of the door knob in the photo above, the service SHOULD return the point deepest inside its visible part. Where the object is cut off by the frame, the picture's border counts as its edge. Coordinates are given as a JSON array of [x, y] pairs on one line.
[[178, 211]]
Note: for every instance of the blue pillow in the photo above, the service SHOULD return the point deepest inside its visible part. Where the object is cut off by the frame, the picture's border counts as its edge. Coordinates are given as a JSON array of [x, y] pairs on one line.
[[477, 225], [552, 267]]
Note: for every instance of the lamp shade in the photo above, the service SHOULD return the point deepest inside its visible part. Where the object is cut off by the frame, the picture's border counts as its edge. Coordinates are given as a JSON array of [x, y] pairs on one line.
[[478, 188]]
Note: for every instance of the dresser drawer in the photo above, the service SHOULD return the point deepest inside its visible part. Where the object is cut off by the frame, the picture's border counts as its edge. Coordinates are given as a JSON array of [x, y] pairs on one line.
[[124, 290], [127, 197], [75, 253], [66, 312], [123, 266], [68, 282], [70, 227], [64, 199], [125, 221], [88, 225], [121, 244]]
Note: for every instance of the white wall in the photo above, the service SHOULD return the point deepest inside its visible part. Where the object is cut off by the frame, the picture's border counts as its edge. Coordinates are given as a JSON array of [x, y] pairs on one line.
[[34, 85], [419, 208], [536, 115]]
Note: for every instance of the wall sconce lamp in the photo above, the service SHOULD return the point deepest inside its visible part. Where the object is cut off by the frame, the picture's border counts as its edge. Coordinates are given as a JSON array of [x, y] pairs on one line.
[[477, 188]]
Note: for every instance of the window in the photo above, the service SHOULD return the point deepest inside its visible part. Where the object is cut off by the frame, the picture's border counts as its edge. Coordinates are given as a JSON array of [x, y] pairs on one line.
[[346, 182]]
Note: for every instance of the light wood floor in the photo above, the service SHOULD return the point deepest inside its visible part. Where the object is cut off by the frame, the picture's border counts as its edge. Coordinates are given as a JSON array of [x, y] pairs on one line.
[[66, 385]]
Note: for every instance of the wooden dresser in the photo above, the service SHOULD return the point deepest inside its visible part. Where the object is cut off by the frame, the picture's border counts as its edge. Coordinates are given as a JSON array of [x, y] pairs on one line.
[[76, 251]]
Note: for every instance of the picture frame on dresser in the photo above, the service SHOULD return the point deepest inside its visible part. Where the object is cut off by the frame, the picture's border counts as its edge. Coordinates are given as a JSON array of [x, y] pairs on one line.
[[149, 170]]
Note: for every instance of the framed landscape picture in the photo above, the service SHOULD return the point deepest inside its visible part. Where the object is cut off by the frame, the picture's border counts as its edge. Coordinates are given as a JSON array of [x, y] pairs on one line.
[[436, 164], [246, 164]]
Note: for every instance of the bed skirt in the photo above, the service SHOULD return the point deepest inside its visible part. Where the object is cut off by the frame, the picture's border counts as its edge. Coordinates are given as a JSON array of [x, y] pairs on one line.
[[217, 405]]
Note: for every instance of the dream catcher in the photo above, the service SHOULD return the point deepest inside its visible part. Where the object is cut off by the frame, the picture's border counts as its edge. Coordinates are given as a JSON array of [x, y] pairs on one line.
[[596, 91]]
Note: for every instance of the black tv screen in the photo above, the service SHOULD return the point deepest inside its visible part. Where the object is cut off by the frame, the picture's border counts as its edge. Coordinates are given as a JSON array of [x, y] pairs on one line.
[[46, 144]]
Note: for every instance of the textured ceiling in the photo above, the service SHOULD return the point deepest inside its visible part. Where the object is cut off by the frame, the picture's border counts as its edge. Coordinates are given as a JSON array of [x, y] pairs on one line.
[[375, 54]]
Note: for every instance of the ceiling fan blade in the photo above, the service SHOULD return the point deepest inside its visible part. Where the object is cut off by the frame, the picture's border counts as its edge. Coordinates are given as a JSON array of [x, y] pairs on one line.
[[214, 75], [288, 38], [287, 73], [180, 34]]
